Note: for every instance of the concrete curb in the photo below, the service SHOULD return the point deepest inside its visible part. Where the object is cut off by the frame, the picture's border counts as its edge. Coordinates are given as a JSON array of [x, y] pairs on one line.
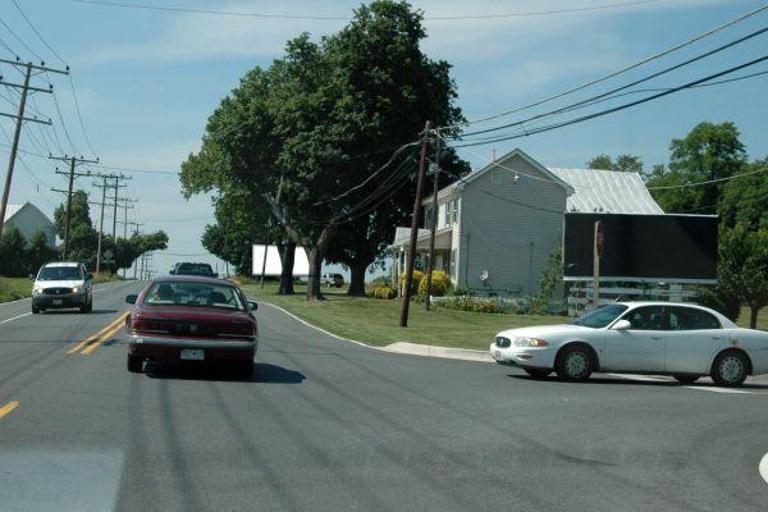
[[401, 347]]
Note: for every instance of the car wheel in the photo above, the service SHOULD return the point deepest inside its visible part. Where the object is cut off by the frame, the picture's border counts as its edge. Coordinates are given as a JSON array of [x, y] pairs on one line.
[[730, 368], [574, 364], [135, 363], [537, 373], [686, 379], [35, 310]]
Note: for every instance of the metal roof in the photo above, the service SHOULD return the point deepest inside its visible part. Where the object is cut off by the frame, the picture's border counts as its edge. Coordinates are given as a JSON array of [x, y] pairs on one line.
[[607, 192]]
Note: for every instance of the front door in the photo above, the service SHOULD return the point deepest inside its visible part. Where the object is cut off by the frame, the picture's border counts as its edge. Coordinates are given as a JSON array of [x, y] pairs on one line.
[[641, 347]]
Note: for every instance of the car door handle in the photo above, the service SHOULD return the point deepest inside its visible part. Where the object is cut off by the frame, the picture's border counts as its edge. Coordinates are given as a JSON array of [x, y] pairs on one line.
[[717, 337], [657, 338]]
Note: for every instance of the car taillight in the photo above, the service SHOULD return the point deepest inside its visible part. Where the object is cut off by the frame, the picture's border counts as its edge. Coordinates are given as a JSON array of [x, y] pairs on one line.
[[141, 323]]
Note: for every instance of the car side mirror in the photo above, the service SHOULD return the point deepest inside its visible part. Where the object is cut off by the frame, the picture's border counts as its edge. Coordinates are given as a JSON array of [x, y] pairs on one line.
[[253, 305], [622, 325], [31, 277], [131, 299], [89, 277], [172, 272]]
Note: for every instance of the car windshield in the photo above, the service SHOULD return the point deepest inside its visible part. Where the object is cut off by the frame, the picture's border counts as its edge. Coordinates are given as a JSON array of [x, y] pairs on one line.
[[600, 317], [59, 274], [168, 293]]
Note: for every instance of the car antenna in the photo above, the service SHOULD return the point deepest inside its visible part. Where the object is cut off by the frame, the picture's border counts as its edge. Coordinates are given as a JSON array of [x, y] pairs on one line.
[[618, 298]]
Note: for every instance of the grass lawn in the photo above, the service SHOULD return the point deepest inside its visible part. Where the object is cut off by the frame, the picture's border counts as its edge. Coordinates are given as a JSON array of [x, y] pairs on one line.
[[762, 318], [13, 288], [376, 321]]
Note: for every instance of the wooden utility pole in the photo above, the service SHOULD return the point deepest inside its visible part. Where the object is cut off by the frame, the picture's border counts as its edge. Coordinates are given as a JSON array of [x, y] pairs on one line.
[[19, 117], [103, 188], [414, 229], [433, 227], [73, 162]]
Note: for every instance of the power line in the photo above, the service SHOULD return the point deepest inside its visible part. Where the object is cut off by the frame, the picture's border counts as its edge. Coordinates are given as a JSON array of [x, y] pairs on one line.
[[627, 68], [624, 87], [80, 117], [709, 182], [520, 14], [37, 33], [616, 109], [20, 40]]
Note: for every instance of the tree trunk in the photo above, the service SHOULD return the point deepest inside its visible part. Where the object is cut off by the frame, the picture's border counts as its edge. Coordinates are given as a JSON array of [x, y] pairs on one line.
[[753, 311], [287, 256], [357, 282], [315, 268], [315, 254]]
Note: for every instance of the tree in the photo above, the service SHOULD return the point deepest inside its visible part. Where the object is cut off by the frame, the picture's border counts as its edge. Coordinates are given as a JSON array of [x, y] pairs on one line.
[[709, 152], [323, 120], [745, 200], [39, 252], [743, 267], [13, 253], [623, 163]]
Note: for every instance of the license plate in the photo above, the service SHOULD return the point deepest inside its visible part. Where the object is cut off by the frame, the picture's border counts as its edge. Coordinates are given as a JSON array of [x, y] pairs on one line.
[[57, 302], [189, 354]]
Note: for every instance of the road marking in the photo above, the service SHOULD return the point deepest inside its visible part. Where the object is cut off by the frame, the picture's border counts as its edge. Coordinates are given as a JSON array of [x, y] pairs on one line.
[[7, 408], [715, 389], [90, 343], [764, 468], [15, 318], [641, 378]]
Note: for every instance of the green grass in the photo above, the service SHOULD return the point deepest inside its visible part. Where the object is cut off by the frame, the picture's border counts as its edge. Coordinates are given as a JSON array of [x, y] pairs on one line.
[[376, 321], [762, 318], [14, 288]]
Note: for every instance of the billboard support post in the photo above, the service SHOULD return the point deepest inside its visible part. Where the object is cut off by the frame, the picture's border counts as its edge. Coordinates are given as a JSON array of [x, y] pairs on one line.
[[598, 245]]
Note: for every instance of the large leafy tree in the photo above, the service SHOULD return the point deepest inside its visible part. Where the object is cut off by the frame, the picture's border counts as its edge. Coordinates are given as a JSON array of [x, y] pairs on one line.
[[623, 163], [709, 152], [745, 199], [322, 120], [743, 267], [13, 253]]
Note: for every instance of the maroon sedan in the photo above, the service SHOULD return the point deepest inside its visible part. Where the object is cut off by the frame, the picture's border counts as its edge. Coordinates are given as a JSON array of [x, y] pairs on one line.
[[201, 319]]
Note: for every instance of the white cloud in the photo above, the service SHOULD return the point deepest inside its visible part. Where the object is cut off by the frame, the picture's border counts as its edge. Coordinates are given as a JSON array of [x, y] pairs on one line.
[[191, 37]]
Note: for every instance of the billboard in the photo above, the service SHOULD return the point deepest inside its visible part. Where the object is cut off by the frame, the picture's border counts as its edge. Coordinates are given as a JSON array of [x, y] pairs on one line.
[[274, 264], [649, 248]]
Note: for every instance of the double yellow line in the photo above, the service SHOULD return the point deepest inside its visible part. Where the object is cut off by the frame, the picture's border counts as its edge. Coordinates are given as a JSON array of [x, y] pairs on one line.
[[92, 342], [8, 408]]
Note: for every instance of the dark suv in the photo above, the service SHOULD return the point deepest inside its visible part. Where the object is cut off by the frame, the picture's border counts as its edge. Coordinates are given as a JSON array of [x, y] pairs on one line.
[[193, 269]]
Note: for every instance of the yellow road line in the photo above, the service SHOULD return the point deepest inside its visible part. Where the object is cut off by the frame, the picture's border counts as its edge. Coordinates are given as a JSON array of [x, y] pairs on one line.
[[8, 408], [104, 337], [93, 337]]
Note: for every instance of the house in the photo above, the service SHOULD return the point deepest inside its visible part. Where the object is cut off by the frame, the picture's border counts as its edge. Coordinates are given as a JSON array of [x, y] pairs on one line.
[[497, 227], [28, 219]]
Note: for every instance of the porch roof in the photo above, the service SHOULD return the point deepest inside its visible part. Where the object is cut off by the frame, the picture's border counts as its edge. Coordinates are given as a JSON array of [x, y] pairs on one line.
[[403, 238]]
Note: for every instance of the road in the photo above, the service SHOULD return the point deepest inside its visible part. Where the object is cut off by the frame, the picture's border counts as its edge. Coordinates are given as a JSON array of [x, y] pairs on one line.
[[327, 425]]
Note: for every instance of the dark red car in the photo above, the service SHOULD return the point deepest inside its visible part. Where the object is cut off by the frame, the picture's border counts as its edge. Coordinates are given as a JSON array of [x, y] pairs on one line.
[[185, 318]]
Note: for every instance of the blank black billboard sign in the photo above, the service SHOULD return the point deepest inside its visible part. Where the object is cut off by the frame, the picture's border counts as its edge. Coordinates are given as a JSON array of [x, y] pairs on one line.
[[643, 247]]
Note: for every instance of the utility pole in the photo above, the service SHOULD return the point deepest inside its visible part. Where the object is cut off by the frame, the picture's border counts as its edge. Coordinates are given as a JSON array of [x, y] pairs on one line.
[[414, 229], [433, 226], [19, 117], [114, 214], [126, 205], [73, 162], [104, 185]]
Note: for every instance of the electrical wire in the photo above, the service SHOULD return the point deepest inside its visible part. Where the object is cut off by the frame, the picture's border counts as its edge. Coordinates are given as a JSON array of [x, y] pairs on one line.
[[573, 106], [624, 69], [37, 33], [20, 40], [521, 14], [615, 109]]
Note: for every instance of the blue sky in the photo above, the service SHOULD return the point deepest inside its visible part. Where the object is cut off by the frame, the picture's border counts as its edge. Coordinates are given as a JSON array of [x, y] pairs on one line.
[[147, 81]]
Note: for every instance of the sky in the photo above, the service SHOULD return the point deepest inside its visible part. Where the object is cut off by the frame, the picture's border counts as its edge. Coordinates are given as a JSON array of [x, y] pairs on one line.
[[146, 82]]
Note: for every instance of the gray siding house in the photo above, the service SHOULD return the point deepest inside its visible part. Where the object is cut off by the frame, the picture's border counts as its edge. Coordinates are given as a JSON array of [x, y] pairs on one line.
[[28, 219], [497, 226]]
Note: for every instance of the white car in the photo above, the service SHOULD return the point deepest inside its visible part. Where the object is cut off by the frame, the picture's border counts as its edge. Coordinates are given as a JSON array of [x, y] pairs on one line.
[[65, 284], [685, 341]]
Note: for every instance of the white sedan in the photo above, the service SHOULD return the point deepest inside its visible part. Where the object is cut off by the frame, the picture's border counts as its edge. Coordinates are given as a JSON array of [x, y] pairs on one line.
[[682, 340]]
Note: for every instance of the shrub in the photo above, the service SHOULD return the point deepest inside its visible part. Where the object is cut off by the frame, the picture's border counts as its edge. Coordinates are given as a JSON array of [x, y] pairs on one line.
[[418, 275], [384, 292], [475, 305], [441, 284]]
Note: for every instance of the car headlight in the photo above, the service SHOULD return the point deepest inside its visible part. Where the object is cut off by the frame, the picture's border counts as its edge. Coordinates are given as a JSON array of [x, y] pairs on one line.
[[75, 289], [36, 290], [530, 342]]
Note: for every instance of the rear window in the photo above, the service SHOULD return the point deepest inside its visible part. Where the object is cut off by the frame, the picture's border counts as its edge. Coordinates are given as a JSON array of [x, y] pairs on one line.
[[170, 293], [195, 269]]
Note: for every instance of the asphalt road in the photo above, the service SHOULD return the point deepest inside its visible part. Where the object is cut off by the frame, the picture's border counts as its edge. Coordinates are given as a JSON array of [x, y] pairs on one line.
[[332, 426]]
